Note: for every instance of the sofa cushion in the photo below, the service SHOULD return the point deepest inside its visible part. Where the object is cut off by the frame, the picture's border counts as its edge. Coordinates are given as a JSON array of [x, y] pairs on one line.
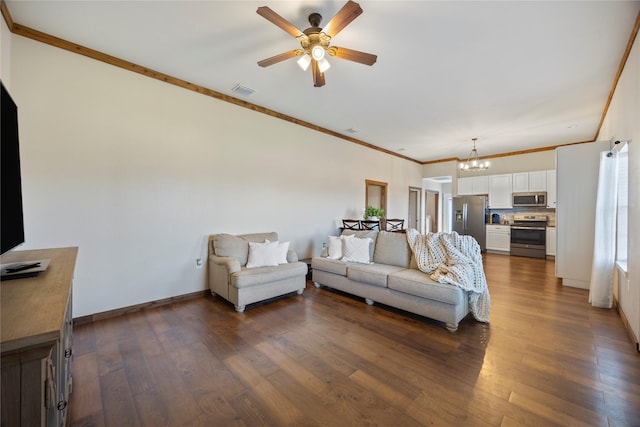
[[415, 282], [329, 265], [392, 249], [363, 234], [356, 250], [260, 275], [335, 246], [238, 246], [371, 274]]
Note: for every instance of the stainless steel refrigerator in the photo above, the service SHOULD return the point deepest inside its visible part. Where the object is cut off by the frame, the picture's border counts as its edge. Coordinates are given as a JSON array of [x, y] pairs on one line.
[[469, 217]]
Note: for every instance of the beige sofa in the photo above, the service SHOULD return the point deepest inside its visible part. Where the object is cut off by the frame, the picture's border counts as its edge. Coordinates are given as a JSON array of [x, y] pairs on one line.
[[393, 279], [230, 278]]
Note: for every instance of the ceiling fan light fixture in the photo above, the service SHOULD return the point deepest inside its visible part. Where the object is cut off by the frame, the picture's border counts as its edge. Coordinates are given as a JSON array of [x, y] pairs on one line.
[[473, 162], [323, 65], [317, 52], [304, 62]]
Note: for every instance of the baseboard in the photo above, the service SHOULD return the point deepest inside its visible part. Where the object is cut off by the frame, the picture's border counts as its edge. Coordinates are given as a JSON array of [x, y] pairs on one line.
[[138, 307], [627, 325]]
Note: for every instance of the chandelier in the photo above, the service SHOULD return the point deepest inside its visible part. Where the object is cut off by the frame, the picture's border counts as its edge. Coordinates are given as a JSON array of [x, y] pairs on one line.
[[473, 162]]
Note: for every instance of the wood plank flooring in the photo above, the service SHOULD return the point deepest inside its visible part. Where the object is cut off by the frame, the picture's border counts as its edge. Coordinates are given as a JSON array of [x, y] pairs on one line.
[[327, 359]]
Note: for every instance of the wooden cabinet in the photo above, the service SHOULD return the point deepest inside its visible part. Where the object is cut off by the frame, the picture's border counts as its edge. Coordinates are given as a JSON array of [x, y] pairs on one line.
[[498, 238], [552, 197], [473, 185], [551, 241], [36, 335], [500, 189], [524, 182]]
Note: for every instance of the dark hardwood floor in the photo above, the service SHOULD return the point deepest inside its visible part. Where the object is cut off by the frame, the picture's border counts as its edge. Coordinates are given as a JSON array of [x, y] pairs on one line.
[[327, 359]]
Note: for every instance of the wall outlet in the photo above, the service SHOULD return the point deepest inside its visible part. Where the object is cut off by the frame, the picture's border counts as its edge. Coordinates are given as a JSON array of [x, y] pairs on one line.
[[198, 262]]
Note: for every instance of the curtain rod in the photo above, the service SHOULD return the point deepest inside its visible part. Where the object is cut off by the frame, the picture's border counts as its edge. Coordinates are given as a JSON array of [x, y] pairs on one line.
[[617, 146]]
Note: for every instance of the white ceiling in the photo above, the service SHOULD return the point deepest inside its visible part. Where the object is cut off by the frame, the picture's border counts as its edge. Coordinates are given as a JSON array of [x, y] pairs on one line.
[[516, 75]]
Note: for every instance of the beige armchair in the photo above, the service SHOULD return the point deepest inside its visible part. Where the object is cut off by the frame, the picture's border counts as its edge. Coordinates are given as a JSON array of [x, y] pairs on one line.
[[230, 278]]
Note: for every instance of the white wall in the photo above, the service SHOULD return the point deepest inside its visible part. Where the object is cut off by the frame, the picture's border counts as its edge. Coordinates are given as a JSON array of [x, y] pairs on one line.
[[138, 173], [5, 53], [623, 122]]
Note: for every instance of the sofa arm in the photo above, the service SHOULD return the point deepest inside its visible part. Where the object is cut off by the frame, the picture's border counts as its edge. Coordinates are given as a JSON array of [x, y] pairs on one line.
[[230, 264], [292, 256], [220, 268]]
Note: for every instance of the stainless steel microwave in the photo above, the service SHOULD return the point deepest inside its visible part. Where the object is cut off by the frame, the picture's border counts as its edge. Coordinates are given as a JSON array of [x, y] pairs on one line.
[[530, 199]]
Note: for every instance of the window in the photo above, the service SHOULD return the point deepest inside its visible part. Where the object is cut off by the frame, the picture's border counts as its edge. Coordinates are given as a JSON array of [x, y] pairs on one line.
[[623, 206]]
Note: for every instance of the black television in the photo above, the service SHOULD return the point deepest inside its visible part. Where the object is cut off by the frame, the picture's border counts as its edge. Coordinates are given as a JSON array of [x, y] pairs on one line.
[[11, 213]]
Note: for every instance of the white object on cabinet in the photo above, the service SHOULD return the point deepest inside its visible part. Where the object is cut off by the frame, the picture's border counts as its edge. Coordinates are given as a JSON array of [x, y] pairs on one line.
[[551, 241], [498, 238], [500, 189]]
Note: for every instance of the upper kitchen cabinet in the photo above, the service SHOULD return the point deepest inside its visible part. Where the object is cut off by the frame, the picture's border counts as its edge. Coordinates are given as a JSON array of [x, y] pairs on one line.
[[524, 182], [500, 189], [473, 185]]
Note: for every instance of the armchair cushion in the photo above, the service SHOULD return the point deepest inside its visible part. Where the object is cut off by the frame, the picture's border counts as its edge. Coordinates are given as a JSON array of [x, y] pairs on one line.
[[228, 245], [262, 254], [247, 277], [267, 254]]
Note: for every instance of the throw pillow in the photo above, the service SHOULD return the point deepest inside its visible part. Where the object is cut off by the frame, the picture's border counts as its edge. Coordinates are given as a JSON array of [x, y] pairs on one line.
[[356, 250], [335, 246], [281, 251], [263, 254]]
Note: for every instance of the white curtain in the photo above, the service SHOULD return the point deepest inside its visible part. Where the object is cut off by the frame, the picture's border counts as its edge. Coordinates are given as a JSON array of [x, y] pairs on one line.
[[604, 247]]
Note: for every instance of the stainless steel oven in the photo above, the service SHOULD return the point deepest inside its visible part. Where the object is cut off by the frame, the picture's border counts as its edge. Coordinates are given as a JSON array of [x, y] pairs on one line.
[[529, 236]]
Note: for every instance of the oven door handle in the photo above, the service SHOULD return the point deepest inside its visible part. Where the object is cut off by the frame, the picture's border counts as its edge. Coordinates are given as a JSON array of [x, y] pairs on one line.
[[515, 227]]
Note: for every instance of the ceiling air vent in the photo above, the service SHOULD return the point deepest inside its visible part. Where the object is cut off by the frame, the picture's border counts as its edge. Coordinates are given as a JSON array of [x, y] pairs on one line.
[[242, 90]]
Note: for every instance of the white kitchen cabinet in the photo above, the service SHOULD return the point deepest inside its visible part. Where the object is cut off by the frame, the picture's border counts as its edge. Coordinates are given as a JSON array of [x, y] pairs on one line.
[[498, 238], [473, 185], [538, 181], [552, 197], [551, 241], [480, 184], [500, 189], [524, 182], [520, 182], [465, 186]]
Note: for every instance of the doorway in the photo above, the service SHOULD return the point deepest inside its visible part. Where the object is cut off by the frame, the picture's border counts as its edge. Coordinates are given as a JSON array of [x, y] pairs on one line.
[[413, 219], [376, 195], [431, 210]]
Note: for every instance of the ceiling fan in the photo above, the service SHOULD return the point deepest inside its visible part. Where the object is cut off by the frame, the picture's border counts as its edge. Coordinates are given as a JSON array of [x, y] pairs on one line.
[[314, 41]]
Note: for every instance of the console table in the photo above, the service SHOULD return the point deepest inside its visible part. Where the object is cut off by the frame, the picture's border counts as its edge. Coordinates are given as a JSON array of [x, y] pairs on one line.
[[36, 335]]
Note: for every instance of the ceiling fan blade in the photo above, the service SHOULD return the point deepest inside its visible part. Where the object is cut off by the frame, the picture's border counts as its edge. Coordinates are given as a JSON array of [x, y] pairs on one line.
[[353, 55], [281, 57], [318, 76], [350, 11], [278, 20]]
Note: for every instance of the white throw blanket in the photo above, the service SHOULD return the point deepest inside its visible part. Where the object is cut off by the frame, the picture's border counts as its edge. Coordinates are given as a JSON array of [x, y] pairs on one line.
[[454, 259]]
